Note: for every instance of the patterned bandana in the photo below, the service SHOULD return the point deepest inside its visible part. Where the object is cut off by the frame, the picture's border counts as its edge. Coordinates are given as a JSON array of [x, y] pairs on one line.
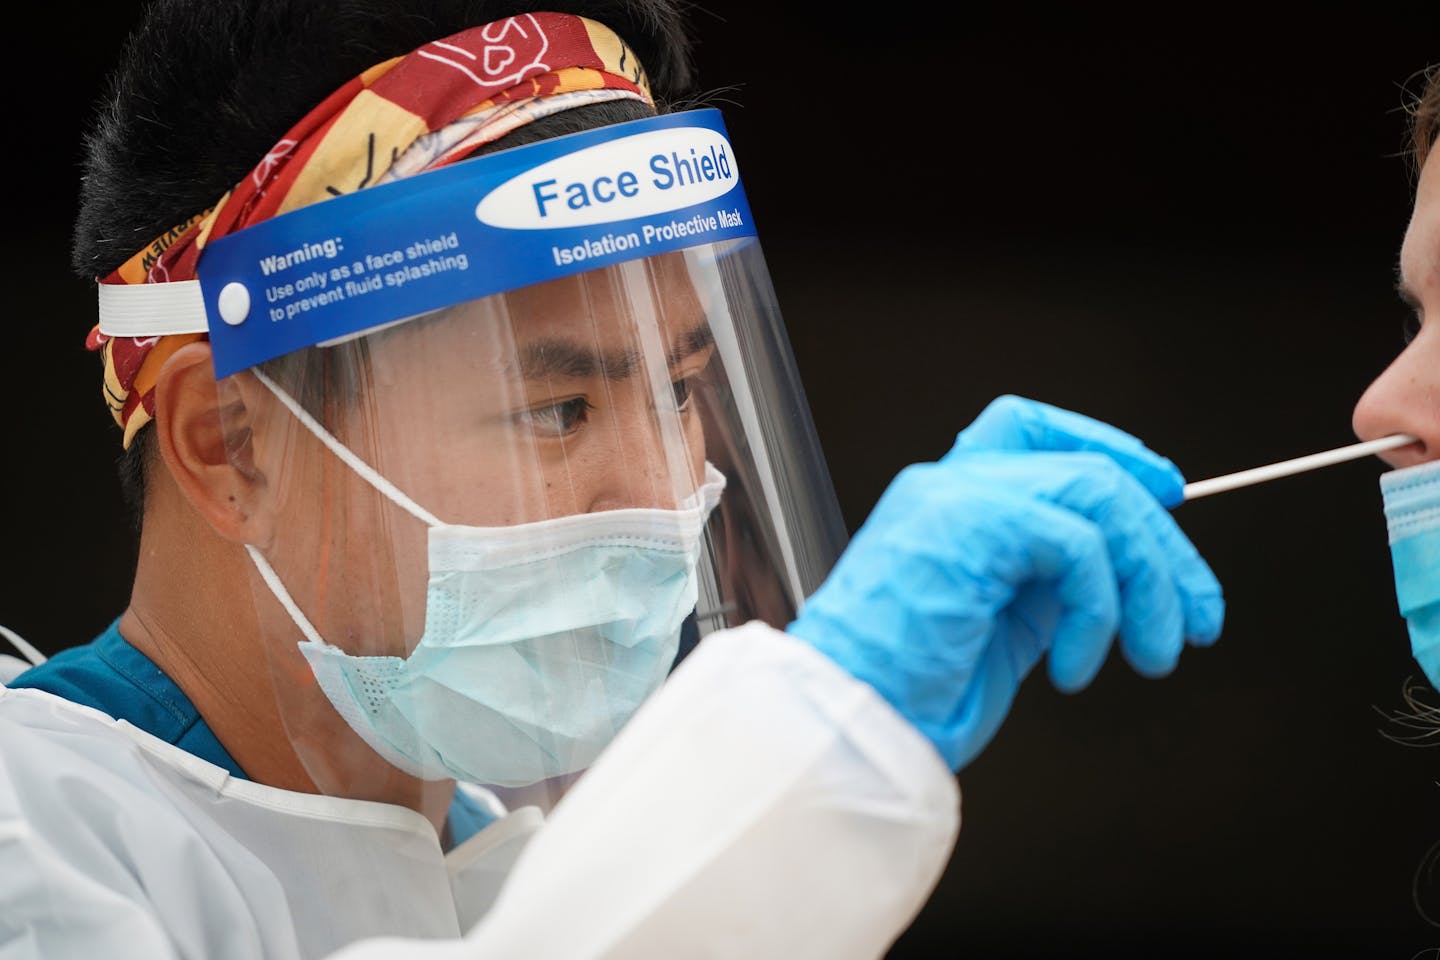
[[416, 112]]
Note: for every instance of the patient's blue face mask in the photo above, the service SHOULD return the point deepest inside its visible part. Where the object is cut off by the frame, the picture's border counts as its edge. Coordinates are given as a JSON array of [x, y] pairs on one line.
[[540, 639], [1412, 514]]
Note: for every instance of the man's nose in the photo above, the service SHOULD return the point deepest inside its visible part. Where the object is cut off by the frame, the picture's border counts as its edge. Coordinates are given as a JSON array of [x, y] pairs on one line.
[[1405, 399]]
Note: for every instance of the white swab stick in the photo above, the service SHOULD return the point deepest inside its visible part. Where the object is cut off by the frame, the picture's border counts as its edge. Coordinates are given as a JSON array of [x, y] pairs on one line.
[[1203, 488]]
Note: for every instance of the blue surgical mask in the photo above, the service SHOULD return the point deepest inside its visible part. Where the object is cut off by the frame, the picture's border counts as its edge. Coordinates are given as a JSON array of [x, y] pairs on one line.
[[1412, 513], [540, 640]]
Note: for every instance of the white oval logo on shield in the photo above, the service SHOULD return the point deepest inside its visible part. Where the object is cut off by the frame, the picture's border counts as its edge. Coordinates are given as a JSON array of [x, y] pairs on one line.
[[635, 176]]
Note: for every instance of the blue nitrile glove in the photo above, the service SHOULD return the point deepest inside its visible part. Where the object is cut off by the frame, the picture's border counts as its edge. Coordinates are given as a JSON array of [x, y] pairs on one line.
[[1041, 530]]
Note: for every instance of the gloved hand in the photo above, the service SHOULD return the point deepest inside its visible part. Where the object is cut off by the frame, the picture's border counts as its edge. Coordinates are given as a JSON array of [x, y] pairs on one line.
[[1040, 531]]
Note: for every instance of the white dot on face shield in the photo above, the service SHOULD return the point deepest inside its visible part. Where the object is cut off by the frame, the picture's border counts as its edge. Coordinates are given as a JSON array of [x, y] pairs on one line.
[[234, 303]]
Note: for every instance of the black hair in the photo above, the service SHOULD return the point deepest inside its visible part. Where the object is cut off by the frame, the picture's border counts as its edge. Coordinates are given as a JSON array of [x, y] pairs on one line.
[[204, 88]]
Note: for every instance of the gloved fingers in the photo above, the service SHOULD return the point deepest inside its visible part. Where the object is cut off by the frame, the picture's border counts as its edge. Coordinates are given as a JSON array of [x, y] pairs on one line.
[[1016, 423], [1170, 593], [1012, 548], [1152, 624], [1202, 599], [1070, 552], [986, 702], [1143, 543]]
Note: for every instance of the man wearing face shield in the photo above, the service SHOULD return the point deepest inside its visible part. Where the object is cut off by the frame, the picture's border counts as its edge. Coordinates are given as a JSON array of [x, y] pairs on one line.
[[442, 342]]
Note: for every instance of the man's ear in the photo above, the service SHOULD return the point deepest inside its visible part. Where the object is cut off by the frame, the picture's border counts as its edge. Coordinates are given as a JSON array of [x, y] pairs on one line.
[[206, 448]]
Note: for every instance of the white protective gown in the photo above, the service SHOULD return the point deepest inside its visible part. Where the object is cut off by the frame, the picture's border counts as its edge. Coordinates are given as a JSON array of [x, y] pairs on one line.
[[762, 804]]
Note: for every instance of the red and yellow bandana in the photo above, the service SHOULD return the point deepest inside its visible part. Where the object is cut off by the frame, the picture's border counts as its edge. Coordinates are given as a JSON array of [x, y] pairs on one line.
[[416, 112]]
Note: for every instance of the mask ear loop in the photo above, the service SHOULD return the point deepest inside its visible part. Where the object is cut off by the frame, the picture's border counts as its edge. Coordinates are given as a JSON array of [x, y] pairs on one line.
[[272, 580], [366, 472]]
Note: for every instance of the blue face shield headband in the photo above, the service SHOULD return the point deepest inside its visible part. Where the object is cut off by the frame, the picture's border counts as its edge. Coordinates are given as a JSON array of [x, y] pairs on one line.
[[338, 269], [355, 263]]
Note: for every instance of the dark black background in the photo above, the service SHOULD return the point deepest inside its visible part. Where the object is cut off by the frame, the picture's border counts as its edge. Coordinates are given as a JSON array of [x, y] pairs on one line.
[[1184, 223]]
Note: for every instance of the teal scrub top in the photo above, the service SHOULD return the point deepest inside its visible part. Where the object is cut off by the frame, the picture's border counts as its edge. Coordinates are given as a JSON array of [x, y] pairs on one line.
[[113, 677]]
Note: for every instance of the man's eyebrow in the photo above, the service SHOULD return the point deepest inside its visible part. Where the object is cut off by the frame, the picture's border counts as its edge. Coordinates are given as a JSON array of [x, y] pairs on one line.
[[690, 342], [552, 357], [557, 357]]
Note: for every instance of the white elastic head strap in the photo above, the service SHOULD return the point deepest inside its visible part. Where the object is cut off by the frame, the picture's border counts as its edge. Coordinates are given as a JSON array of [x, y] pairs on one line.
[[151, 309]]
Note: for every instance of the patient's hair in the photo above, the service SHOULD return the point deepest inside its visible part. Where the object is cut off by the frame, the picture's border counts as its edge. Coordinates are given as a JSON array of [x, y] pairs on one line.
[[1425, 117]]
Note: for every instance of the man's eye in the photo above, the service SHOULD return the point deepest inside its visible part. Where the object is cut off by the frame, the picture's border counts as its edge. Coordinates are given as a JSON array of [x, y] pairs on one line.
[[1410, 328], [557, 419], [682, 392]]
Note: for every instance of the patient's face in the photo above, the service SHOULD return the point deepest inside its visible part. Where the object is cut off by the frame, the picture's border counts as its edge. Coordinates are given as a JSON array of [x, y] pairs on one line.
[[1406, 397]]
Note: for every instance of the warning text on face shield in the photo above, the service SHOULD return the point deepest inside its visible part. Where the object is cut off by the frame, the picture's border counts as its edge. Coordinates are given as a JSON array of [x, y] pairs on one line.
[[666, 231], [346, 278]]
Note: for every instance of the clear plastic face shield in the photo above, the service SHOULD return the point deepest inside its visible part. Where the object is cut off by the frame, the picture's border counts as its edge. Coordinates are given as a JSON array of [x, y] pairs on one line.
[[492, 523]]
